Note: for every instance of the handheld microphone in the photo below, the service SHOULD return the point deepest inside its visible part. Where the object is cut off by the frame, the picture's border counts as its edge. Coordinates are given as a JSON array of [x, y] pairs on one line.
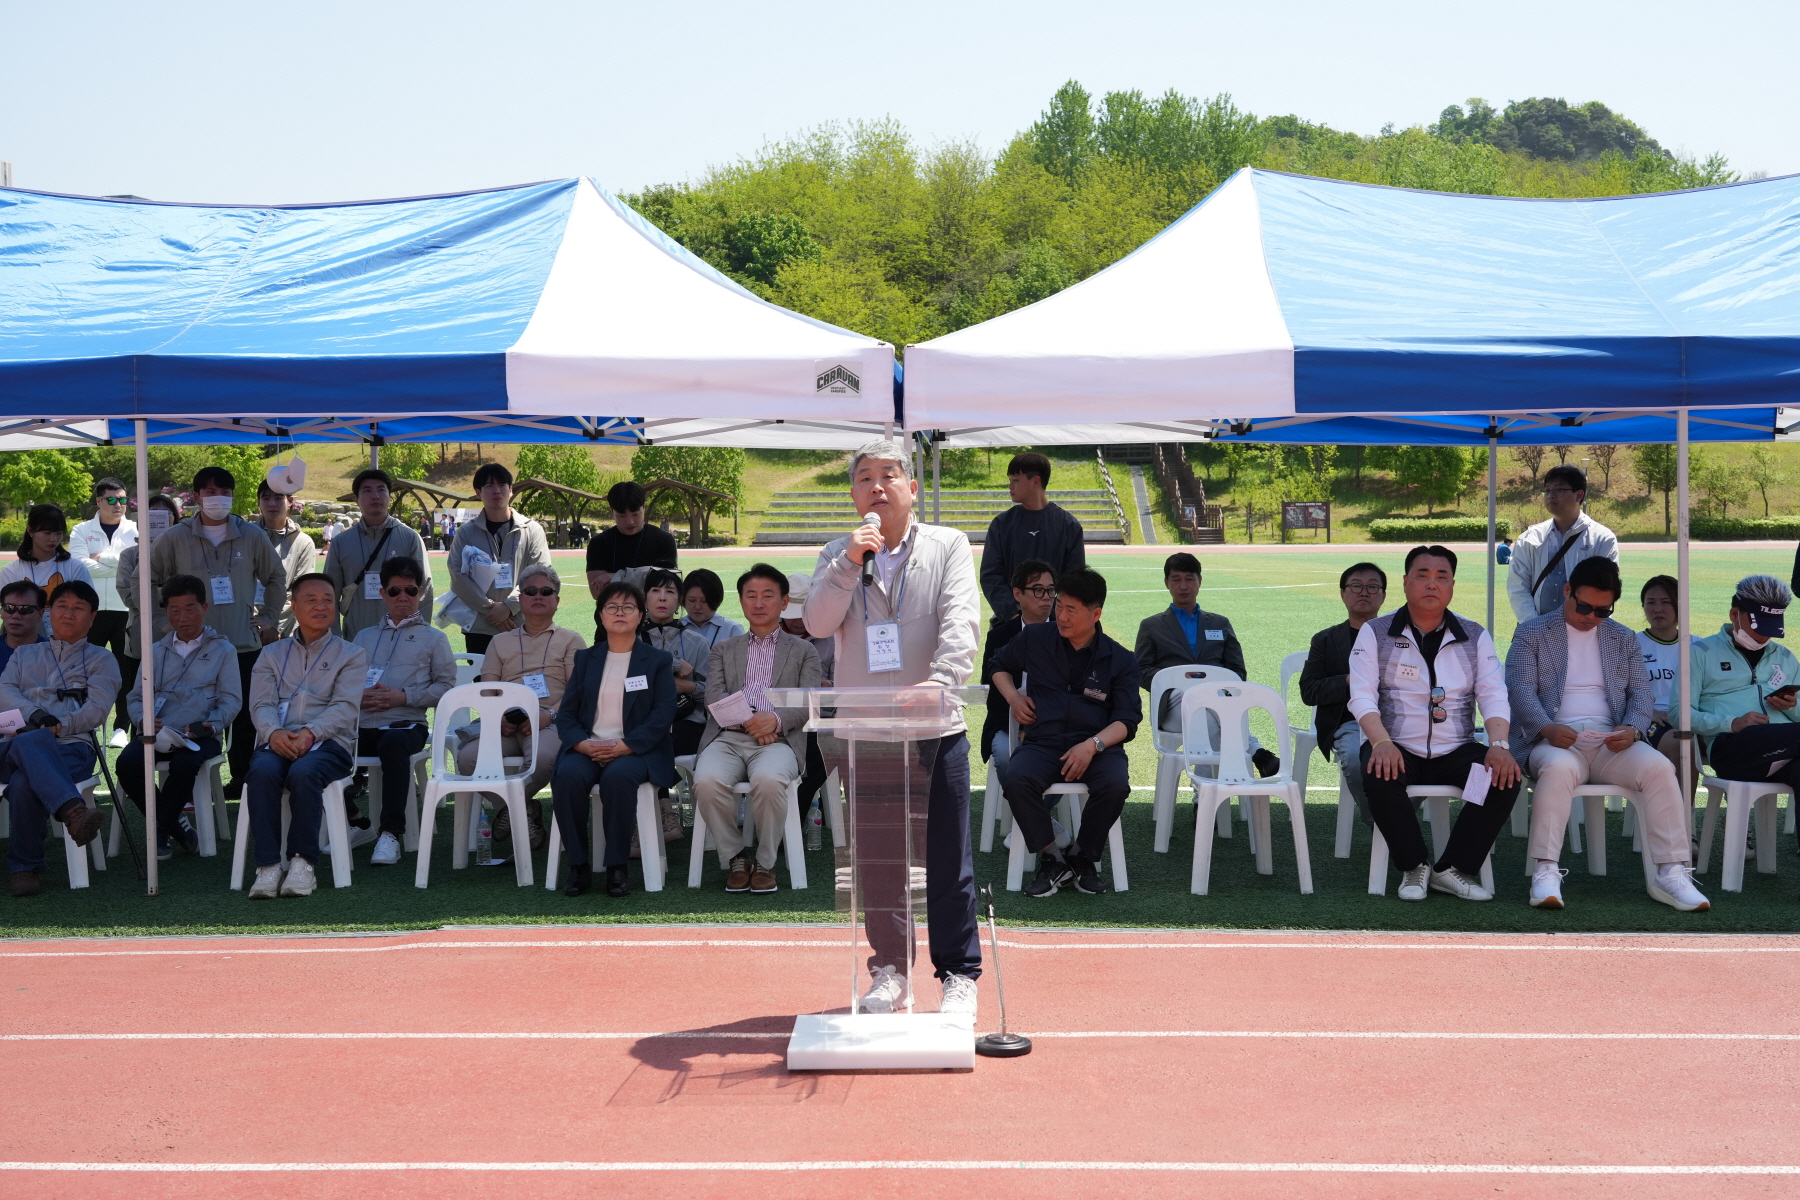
[[868, 562]]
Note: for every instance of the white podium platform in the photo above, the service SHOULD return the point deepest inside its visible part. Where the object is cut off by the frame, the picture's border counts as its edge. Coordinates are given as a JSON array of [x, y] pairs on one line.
[[882, 1042]]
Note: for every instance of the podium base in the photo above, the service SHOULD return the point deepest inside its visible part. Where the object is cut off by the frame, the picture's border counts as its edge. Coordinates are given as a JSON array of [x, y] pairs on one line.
[[882, 1042]]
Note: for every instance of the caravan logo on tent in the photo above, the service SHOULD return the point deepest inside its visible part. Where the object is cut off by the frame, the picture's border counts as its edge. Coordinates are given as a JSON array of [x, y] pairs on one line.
[[838, 380]]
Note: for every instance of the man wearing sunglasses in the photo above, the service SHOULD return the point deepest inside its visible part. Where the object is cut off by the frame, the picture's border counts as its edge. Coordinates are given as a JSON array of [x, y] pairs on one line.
[[23, 604], [1034, 592], [1416, 679], [1582, 704], [410, 668], [1545, 553]]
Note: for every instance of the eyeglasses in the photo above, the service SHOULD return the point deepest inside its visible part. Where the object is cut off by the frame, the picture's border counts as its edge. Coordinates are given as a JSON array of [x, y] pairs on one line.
[[1438, 711], [1559, 491], [115, 500], [620, 610], [19, 610], [1041, 593], [1366, 589], [403, 591], [1588, 610], [542, 591]]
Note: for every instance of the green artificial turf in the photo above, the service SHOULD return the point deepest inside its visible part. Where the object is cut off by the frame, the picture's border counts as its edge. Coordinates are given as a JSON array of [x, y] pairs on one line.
[[1275, 598]]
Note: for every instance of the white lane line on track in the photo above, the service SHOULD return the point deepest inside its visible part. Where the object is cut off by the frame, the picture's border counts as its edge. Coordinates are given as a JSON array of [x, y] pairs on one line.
[[744, 1035], [1318, 1168], [1561, 946]]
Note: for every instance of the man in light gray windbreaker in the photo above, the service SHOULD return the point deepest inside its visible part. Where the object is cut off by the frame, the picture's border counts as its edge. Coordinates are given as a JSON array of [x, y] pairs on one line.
[[498, 544]]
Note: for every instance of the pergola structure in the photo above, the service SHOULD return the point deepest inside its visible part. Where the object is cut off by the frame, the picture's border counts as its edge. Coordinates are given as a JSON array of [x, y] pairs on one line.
[[692, 497], [425, 496], [571, 504]]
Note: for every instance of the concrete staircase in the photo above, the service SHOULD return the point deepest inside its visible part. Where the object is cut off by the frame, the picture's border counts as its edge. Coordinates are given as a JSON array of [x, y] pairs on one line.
[[814, 518]]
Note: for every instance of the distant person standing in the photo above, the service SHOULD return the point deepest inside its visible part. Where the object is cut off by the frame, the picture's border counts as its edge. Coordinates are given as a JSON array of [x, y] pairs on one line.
[[356, 556], [497, 545], [1549, 550], [98, 542], [632, 544], [1032, 528]]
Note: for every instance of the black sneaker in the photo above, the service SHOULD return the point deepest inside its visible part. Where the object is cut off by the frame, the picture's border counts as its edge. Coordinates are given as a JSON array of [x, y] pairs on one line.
[[1052, 874], [1087, 876], [1266, 763], [165, 850], [185, 836]]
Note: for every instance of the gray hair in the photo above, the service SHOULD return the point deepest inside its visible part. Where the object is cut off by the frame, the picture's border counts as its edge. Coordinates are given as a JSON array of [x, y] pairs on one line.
[[544, 569], [883, 450], [1765, 591]]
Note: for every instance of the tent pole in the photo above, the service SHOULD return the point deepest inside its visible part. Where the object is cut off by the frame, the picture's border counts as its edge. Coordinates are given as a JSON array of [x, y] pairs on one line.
[[1684, 720], [937, 494], [1493, 480], [146, 641]]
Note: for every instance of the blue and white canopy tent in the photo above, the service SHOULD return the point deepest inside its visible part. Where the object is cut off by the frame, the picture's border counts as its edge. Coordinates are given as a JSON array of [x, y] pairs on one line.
[[1291, 309], [548, 312]]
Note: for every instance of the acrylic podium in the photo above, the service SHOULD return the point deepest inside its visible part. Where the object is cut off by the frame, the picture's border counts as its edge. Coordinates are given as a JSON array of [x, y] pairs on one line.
[[883, 742]]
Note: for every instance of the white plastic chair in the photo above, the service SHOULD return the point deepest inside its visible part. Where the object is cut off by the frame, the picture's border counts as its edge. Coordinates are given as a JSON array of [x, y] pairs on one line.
[[1174, 752], [1072, 798], [1305, 742], [1741, 799], [1436, 798], [792, 839], [655, 855], [74, 859], [1231, 704], [995, 815], [416, 765], [336, 834], [468, 668], [490, 775], [211, 813], [1590, 809]]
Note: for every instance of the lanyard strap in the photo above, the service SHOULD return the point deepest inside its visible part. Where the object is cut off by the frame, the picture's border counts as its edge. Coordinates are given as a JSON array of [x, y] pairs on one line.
[[899, 593], [288, 658], [549, 637]]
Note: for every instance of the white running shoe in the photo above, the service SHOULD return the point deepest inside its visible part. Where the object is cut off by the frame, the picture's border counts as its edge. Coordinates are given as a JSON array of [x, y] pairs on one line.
[[1546, 886], [1458, 885], [267, 884], [887, 992], [1412, 883], [300, 880], [120, 739], [387, 851], [359, 837], [1676, 889], [959, 995]]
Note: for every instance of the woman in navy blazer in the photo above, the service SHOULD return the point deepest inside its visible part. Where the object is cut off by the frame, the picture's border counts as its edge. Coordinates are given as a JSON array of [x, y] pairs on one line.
[[644, 753]]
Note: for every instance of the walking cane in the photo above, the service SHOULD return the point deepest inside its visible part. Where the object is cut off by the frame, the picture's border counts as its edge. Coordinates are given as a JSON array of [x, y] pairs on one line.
[[1002, 1044], [118, 798]]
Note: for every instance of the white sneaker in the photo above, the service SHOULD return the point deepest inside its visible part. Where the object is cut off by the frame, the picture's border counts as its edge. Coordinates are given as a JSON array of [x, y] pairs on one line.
[[387, 851], [267, 883], [359, 837], [959, 995], [1412, 883], [1546, 886], [1459, 885], [887, 992], [300, 880], [1676, 889], [120, 739]]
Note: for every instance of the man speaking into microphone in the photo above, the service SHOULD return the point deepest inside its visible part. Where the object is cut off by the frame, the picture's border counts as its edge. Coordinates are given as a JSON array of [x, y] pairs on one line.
[[901, 601]]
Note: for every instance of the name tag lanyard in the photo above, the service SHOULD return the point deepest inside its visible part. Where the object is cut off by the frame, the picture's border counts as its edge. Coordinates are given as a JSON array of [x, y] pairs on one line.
[[84, 668], [223, 570], [543, 667], [162, 675], [281, 680], [498, 545], [894, 620]]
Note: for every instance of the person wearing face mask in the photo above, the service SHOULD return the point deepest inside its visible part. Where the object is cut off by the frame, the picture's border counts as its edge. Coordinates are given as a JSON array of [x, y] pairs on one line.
[[1581, 706], [239, 564], [43, 559], [1744, 685]]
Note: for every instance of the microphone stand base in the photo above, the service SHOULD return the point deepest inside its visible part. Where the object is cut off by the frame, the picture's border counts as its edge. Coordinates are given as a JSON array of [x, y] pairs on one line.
[[1002, 1045]]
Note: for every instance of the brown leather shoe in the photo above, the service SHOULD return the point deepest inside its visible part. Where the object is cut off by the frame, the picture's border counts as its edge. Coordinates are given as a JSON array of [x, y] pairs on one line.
[[24, 883], [671, 820], [739, 878], [762, 880], [83, 823], [536, 833]]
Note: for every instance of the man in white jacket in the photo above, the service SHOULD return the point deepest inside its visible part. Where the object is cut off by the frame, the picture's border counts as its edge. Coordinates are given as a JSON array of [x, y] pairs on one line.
[[97, 542], [1546, 553]]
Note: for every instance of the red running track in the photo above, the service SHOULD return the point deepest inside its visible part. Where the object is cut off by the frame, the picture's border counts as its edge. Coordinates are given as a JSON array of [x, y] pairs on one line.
[[1289, 1066]]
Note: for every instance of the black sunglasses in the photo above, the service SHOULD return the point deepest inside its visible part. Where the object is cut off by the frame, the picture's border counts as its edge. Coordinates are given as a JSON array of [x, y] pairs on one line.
[[20, 610], [403, 591], [1588, 610], [537, 591]]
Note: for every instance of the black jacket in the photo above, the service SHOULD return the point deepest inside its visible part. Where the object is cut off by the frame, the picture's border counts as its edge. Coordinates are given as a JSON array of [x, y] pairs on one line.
[[648, 713], [998, 637], [1325, 681], [1052, 534], [1076, 693]]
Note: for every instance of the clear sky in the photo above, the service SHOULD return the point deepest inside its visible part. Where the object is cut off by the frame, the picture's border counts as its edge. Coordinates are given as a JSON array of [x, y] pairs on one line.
[[251, 101]]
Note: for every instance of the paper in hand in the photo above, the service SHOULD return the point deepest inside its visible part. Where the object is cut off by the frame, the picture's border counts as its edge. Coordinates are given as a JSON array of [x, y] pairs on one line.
[[1589, 737], [730, 711], [11, 721], [1475, 788]]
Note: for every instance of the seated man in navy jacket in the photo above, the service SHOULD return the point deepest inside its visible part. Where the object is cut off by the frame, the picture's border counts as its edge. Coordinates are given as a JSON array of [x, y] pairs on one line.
[[1082, 708], [614, 725]]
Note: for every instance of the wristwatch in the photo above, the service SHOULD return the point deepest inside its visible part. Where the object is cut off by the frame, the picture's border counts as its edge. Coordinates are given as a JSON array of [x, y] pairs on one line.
[[1099, 745]]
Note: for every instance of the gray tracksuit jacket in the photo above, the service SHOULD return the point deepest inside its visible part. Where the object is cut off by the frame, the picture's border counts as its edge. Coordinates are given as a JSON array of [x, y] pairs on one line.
[[297, 552], [413, 657], [322, 685], [204, 686], [521, 543], [35, 673], [352, 555], [245, 557]]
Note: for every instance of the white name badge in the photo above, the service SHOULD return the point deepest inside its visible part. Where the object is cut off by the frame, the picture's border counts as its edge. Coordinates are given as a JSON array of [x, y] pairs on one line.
[[504, 577], [221, 589], [261, 592], [371, 585], [537, 683], [160, 702], [1215, 635], [884, 645], [281, 713], [373, 677], [1777, 677], [637, 683], [1406, 671]]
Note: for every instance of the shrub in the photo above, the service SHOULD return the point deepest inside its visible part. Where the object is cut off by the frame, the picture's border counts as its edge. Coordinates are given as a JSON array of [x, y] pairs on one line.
[[1423, 530], [1736, 529]]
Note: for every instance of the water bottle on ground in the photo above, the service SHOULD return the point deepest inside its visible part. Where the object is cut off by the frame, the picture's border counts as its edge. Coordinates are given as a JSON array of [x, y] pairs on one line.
[[484, 841], [815, 826]]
